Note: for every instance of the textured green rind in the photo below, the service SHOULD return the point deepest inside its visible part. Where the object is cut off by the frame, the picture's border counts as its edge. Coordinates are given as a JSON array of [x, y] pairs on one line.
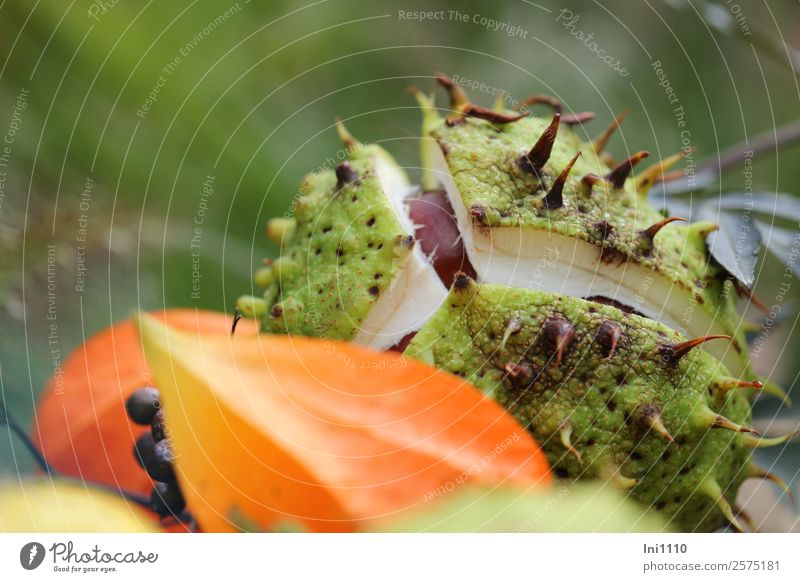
[[484, 164], [346, 249], [601, 398]]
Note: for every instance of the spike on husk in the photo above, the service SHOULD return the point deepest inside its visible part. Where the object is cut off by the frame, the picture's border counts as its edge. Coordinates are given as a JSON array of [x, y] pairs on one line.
[[672, 353], [565, 434], [650, 417], [458, 97], [710, 488], [760, 442], [619, 173], [653, 174], [722, 422], [554, 198], [756, 472], [613, 475], [514, 326], [608, 336], [537, 157], [601, 141], [558, 335], [350, 143], [726, 384]]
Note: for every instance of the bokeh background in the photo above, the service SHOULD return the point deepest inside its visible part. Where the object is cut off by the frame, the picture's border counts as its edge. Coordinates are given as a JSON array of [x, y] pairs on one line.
[[115, 115]]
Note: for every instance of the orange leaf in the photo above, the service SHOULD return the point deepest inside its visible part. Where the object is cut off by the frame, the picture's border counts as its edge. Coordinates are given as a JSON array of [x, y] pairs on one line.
[[81, 425], [275, 430]]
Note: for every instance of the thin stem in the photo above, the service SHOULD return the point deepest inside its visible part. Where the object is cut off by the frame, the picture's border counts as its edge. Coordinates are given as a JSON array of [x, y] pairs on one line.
[[708, 171], [41, 461], [37, 455]]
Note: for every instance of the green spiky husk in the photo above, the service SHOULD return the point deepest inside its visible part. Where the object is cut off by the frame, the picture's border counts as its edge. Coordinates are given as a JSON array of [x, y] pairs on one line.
[[346, 247], [602, 398], [484, 162]]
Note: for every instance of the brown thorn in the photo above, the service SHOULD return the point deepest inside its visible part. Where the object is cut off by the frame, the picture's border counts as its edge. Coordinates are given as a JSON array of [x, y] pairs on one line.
[[576, 118], [345, 174], [458, 97], [589, 181], [621, 171], [727, 424], [541, 99], [462, 281], [731, 383], [672, 353], [651, 231], [557, 107], [608, 336], [472, 110], [537, 157], [558, 335], [555, 196], [601, 141]]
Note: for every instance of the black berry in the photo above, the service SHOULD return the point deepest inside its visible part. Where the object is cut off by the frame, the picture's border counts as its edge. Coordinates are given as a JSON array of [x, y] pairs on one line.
[[158, 426], [166, 499], [142, 405], [143, 448], [159, 464]]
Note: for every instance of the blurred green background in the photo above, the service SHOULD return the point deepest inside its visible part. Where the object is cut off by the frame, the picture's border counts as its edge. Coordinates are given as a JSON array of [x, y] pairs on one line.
[[118, 112]]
